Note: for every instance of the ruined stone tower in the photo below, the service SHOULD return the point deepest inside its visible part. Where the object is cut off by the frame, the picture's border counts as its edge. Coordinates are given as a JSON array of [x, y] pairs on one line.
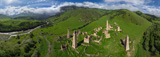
[[127, 43], [68, 34], [87, 39], [118, 28], [74, 42]]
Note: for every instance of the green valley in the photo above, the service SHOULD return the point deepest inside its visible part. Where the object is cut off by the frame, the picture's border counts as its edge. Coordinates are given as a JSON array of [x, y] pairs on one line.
[[51, 40]]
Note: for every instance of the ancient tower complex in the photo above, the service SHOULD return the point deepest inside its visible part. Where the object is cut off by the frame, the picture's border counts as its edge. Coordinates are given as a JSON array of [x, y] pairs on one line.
[[87, 39], [74, 42], [68, 34], [127, 43]]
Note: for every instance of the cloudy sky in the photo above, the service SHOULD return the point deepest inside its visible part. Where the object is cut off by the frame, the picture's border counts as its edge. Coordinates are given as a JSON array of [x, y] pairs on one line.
[[14, 7]]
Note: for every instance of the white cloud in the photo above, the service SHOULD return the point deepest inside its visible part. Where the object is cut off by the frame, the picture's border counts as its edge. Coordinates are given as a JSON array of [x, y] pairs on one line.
[[10, 1], [41, 0], [151, 10], [12, 10], [127, 1]]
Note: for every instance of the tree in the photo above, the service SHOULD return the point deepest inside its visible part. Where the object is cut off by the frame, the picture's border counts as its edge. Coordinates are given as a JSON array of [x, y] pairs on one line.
[[31, 35], [19, 42], [27, 48], [157, 52], [18, 37]]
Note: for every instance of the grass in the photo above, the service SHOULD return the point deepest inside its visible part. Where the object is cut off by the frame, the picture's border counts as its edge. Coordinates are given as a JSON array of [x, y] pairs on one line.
[[130, 23], [17, 24]]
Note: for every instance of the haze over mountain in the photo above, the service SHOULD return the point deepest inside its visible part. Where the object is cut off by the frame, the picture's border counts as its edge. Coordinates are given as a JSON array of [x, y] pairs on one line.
[[3, 16]]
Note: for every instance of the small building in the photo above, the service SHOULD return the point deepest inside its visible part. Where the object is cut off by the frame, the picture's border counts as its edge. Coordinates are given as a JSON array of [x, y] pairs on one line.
[[107, 35], [63, 47], [97, 29], [78, 32], [118, 28], [84, 33], [87, 39]]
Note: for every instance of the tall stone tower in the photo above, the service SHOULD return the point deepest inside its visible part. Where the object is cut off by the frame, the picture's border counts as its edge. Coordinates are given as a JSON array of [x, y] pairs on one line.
[[127, 43], [107, 35], [74, 42], [107, 25], [68, 34]]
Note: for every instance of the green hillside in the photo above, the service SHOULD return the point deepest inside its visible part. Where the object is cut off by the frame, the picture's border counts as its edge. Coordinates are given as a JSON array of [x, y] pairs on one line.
[[9, 25], [130, 23], [47, 41], [73, 20], [149, 17]]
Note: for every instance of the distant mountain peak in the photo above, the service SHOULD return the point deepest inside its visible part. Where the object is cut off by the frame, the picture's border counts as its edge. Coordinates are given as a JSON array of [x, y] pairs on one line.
[[4, 16]]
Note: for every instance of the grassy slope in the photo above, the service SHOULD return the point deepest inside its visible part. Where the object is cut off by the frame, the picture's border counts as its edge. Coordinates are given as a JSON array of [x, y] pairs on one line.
[[127, 22], [149, 17], [17, 24], [131, 24], [74, 20], [14, 22]]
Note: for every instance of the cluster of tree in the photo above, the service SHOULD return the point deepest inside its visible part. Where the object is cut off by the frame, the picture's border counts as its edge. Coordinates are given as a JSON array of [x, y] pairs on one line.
[[10, 53], [21, 26], [148, 16], [29, 51], [152, 39]]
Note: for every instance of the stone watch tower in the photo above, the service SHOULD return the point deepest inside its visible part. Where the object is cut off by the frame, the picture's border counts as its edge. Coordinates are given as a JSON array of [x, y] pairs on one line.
[[107, 25], [127, 43], [74, 42]]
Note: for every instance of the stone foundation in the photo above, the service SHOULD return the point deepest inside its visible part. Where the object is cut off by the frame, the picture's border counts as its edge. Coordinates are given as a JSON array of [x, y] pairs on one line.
[[87, 39], [63, 47]]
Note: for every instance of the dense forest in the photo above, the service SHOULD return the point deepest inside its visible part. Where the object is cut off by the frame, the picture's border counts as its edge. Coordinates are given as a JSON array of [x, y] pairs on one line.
[[21, 49], [152, 39]]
